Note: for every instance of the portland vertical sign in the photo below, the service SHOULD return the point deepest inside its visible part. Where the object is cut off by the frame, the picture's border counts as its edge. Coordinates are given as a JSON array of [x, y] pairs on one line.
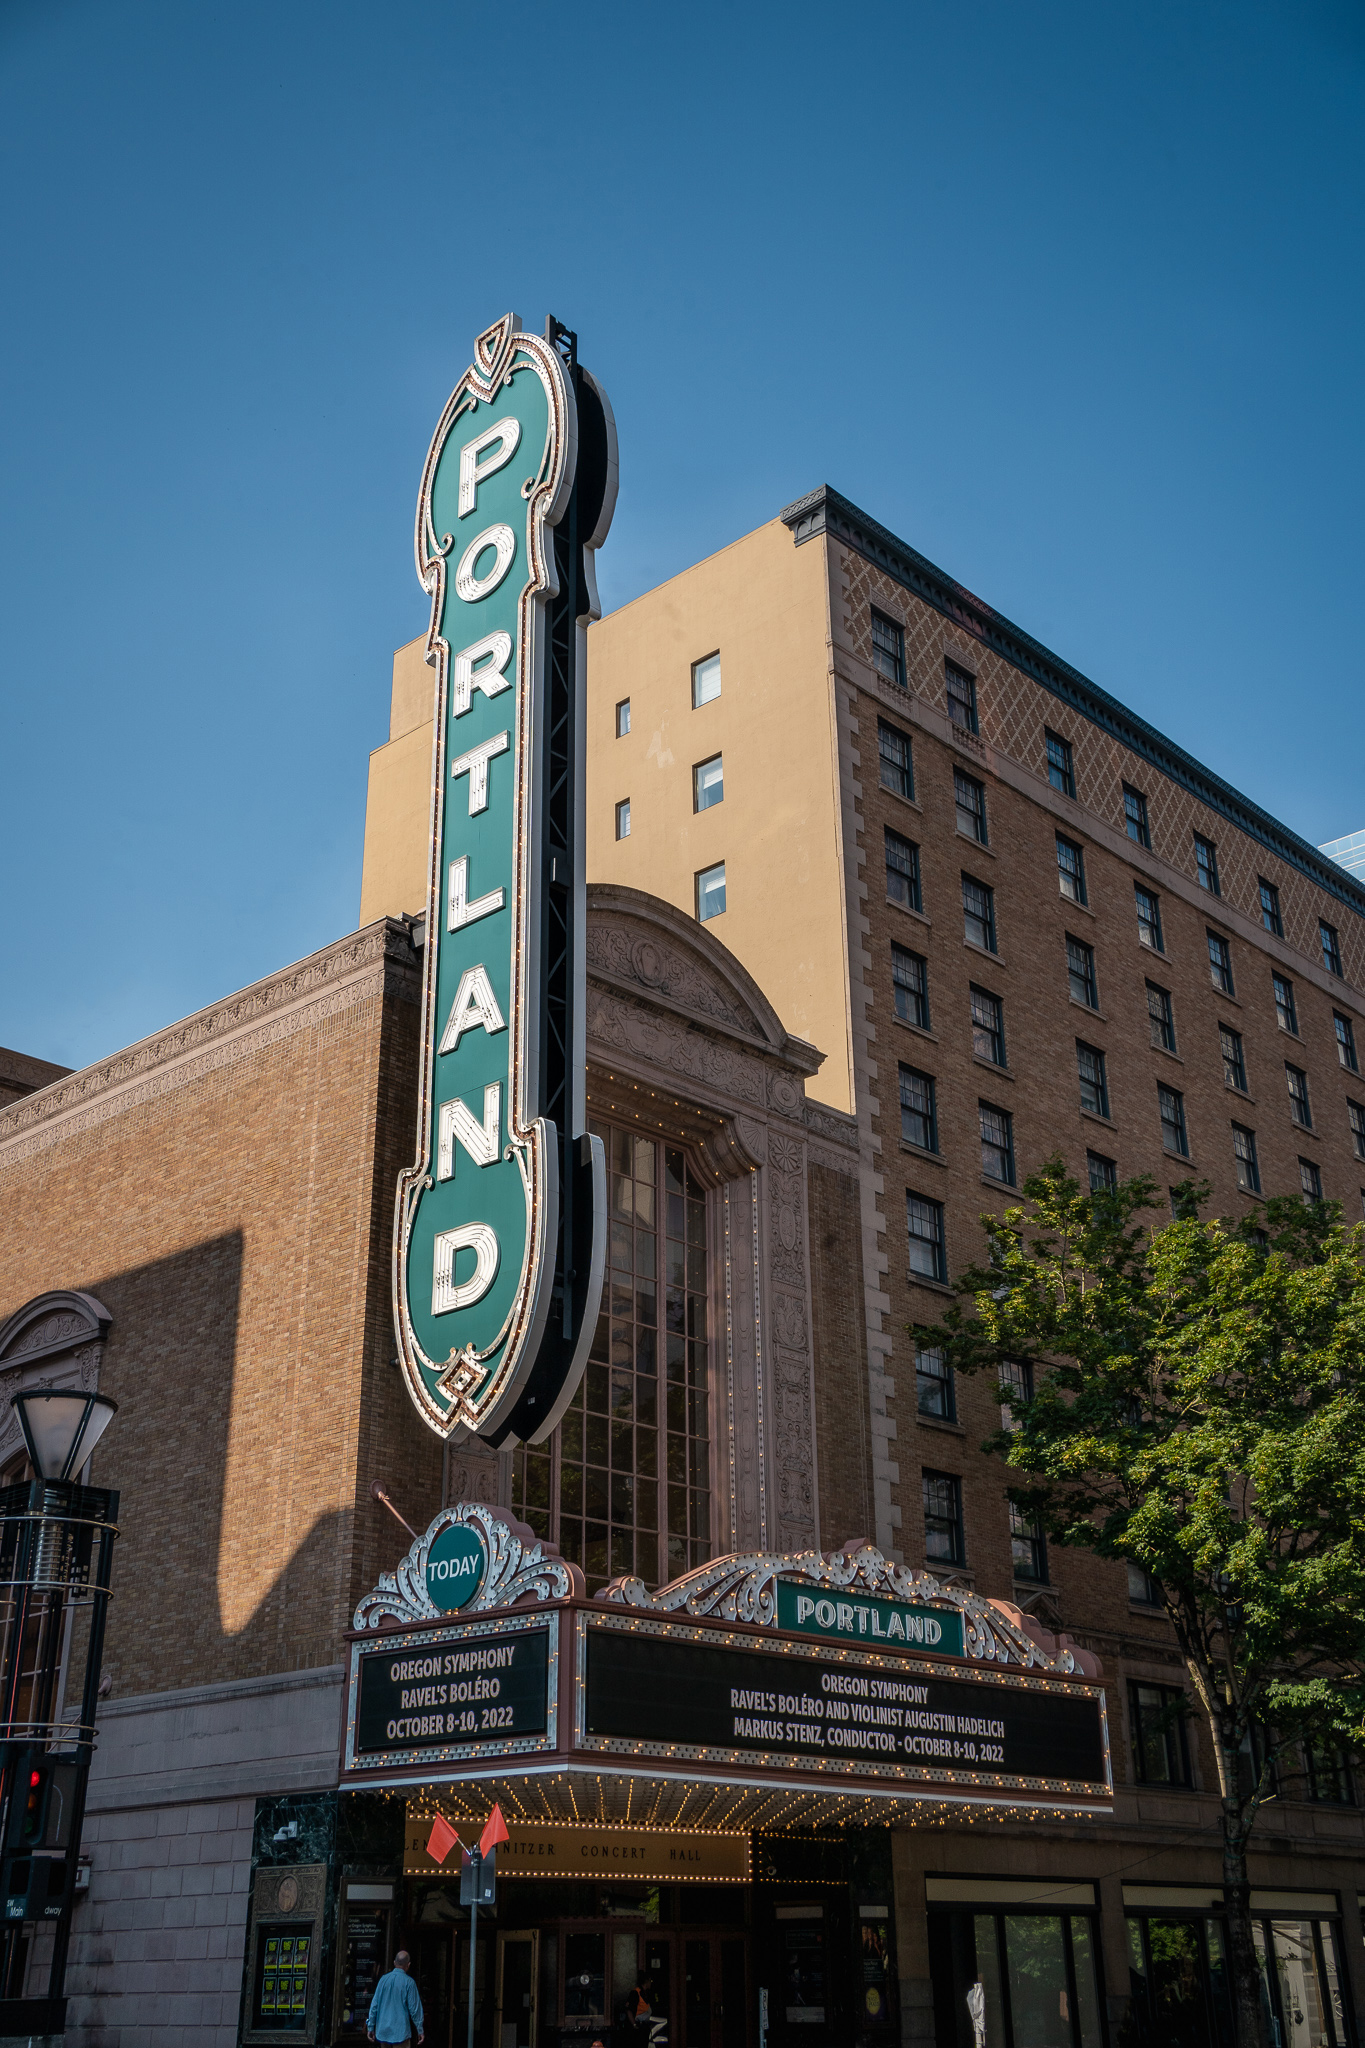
[[500, 1222]]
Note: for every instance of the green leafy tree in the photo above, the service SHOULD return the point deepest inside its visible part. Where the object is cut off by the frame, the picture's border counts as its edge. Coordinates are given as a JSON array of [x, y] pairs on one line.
[[1198, 1408]]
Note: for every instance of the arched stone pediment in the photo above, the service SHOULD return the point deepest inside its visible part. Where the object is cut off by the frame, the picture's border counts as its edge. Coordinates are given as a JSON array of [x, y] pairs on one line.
[[55, 1340]]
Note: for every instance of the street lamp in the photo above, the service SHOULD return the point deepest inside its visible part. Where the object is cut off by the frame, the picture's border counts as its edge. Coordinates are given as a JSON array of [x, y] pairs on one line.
[[56, 1555]]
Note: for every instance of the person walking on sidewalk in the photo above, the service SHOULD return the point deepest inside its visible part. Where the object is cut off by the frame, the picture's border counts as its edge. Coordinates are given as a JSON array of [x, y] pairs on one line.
[[396, 2009]]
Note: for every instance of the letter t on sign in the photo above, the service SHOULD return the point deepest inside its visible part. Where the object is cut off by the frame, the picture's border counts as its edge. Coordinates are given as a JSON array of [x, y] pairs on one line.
[[474, 764]]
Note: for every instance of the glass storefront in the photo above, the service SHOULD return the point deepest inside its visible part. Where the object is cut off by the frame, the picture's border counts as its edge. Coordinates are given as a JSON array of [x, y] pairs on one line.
[[1037, 1970], [1181, 1985]]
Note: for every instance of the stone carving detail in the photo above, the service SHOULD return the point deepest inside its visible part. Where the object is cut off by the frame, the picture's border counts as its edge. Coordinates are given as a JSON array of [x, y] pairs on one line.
[[55, 1340], [784, 1094], [621, 1024], [744, 1588], [519, 1567], [789, 1321], [785, 1204], [646, 958]]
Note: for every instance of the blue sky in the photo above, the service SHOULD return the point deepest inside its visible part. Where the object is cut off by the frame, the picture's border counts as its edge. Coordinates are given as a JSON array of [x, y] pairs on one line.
[[1069, 297]]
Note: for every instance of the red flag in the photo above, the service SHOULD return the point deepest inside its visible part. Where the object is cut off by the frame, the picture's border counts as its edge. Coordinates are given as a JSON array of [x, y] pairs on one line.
[[495, 1831], [441, 1840]]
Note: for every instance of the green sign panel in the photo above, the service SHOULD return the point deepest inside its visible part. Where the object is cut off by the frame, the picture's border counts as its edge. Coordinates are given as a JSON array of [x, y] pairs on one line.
[[501, 1219], [861, 1617], [455, 1567]]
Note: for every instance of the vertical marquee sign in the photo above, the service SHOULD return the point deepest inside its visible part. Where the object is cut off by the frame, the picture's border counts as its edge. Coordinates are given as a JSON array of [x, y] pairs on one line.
[[501, 1222]]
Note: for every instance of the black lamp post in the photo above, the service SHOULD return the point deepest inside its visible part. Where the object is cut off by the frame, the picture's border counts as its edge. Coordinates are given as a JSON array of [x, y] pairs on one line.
[[56, 1554]]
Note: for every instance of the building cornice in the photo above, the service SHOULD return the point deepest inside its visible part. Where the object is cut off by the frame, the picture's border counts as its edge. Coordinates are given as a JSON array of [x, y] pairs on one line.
[[824, 511]]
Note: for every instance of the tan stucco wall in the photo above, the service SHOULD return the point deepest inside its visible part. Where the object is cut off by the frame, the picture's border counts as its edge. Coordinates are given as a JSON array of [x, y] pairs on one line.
[[762, 603], [393, 881]]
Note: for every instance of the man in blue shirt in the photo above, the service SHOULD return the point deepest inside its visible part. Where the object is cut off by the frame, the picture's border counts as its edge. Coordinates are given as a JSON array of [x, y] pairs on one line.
[[396, 2009]]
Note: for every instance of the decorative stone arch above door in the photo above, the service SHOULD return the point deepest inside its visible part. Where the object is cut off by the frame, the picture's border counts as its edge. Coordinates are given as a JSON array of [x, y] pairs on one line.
[[55, 1340]]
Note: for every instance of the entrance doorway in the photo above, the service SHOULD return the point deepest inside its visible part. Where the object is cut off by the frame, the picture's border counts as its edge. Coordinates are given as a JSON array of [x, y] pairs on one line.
[[695, 1985], [518, 1967]]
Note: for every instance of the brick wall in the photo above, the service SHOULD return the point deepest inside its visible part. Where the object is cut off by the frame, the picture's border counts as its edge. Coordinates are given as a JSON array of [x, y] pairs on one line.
[[843, 1431]]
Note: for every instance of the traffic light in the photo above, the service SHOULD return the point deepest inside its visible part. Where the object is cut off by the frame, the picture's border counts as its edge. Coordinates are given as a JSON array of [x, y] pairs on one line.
[[33, 1881]]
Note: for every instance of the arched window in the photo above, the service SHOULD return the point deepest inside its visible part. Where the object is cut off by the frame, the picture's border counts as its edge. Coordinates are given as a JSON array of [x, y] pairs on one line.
[[624, 1484]]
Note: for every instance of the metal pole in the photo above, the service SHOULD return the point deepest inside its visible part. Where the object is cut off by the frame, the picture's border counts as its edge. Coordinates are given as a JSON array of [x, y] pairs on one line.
[[473, 1944], [94, 1657]]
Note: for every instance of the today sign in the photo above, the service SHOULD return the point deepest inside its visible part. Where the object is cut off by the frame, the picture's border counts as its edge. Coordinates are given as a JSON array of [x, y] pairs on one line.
[[497, 1247], [455, 1566]]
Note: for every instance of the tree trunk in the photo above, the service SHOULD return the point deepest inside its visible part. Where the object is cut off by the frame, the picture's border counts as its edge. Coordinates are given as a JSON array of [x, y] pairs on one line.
[[1250, 2008]]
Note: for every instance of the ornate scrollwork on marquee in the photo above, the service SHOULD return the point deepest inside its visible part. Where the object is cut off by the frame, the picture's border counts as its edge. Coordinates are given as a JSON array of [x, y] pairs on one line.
[[518, 1565], [744, 1588]]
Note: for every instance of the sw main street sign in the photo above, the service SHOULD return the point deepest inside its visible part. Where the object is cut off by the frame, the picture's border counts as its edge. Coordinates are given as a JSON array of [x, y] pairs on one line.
[[500, 1223]]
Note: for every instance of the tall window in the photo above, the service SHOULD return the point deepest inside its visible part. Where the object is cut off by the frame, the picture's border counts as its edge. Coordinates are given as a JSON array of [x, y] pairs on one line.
[[1016, 1388], [1310, 1180], [988, 1026], [902, 871], [1346, 1042], [970, 800], [1080, 972], [961, 690], [1135, 815], [1356, 1112], [978, 913], [623, 718], [924, 1222], [894, 758], [1206, 865], [1328, 1771], [1142, 1587], [1270, 907], [1220, 963], [1094, 1084], [705, 681], [623, 818], [1171, 1104], [1298, 1097], [1028, 1547], [1244, 1153], [942, 1518], [1285, 1012], [1104, 1173], [1234, 1062], [624, 1485], [919, 1123], [711, 892], [888, 649], [1061, 772], [1070, 869], [1148, 917], [934, 1383], [1331, 948], [910, 986], [997, 1143], [1160, 1754], [1160, 1018], [708, 783]]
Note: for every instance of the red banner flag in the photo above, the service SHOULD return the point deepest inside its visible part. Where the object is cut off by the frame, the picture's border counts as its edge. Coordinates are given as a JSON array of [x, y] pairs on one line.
[[495, 1831], [441, 1840]]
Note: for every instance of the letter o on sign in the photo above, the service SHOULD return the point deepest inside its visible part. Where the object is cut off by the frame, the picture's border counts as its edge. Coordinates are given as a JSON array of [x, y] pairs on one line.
[[455, 1566], [471, 587]]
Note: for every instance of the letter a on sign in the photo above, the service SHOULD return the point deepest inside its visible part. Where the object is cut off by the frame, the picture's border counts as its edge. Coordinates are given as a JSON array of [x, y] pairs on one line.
[[501, 1219]]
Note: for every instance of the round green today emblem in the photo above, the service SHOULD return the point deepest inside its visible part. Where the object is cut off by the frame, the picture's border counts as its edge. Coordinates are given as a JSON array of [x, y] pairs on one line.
[[455, 1566]]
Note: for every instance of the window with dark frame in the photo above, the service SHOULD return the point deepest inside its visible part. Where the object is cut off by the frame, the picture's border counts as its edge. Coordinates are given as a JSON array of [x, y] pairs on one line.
[[1142, 1587], [1327, 1770], [1206, 865], [1135, 816], [1286, 1013], [1174, 1137], [934, 1391], [1148, 917], [910, 986], [710, 885], [1220, 963], [942, 1518], [1094, 1084], [623, 818], [1356, 1113], [1270, 906], [902, 870], [919, 1121], [623, 718], [1234, 1062], [978, 913], [708, 783], [969, 798], [1080, 972], [1028, 1547], [888, 648], [1061, 771], [961, 690], [1016, 1384], [924, 1223], [988, 1026], [1346, 1042], [997, 1143], [1244, 1153], [705, 681], [1104, 1173], [1070, 870], [1331, 947], [1299, 1108], [895, 759], [1160, 1751], [1160, 1017], [1310, 1180]]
